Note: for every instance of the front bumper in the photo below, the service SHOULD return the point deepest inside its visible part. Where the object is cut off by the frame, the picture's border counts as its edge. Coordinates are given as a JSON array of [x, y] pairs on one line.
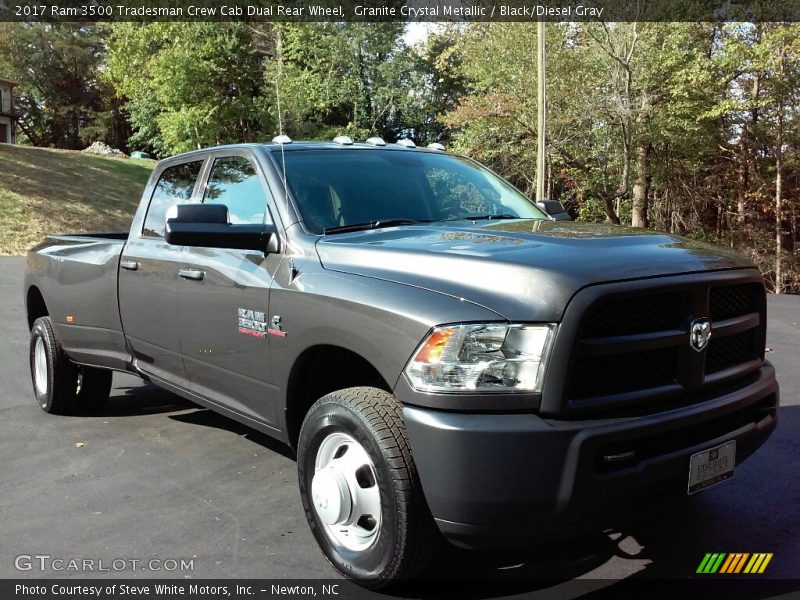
[[496, 480]]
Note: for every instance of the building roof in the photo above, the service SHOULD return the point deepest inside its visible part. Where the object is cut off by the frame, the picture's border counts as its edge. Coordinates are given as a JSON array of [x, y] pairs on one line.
[[11, 82]]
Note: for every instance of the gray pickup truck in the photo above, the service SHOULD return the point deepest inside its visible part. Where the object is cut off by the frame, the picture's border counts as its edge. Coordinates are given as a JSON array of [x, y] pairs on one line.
[[446, 359]]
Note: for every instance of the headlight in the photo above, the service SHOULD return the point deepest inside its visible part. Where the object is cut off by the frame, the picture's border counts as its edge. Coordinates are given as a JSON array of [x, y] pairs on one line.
[[481, 357]]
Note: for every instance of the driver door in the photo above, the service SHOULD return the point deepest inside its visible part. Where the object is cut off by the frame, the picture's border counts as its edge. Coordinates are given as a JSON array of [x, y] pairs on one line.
[[223, 298]]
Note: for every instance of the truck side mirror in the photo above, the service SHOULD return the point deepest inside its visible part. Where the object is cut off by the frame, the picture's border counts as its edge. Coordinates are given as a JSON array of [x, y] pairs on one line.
[[555, 209], [207, 226]]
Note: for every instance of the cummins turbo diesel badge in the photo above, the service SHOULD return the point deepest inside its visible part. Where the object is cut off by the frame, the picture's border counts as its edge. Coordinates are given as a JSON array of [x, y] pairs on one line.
[[252, 322]]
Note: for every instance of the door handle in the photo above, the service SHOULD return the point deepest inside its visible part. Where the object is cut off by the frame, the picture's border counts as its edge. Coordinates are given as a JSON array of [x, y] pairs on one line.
[[195, 274], [129, 265]]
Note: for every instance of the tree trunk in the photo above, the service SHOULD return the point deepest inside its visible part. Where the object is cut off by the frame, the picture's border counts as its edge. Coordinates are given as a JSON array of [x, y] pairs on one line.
[[622, 56], [31, 133], [778, 188], [778, 207], [641, 187], [779, 204], [611, 213], [743, 176]]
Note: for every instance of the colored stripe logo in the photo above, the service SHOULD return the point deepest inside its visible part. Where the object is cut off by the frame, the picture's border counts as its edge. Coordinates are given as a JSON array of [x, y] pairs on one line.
[[735, 562]]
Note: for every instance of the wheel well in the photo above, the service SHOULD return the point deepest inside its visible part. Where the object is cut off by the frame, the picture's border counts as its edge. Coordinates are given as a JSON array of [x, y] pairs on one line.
[[35, 305], [320, 370]]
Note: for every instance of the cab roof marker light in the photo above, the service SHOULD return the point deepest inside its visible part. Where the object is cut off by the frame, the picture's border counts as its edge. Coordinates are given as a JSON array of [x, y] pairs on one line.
[[375, 141], [343, 140], [281, 139], [406, 143], [436, 146]]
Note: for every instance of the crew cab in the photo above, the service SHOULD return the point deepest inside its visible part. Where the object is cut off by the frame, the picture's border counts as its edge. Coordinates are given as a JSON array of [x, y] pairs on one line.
[[447, 360]]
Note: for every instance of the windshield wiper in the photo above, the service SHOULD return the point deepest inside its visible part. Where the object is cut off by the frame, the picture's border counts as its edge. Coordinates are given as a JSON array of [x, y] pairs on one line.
[[486, 217], [377, 224]]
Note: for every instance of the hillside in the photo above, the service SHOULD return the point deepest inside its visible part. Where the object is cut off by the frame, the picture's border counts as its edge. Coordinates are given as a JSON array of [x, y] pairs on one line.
[[59, 191]]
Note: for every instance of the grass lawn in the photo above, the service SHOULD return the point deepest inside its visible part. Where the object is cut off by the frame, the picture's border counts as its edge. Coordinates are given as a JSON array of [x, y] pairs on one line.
[[60, 191]]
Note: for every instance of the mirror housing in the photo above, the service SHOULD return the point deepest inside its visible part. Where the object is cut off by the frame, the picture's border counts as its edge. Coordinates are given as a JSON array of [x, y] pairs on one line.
[[207, 226], [555, 209]]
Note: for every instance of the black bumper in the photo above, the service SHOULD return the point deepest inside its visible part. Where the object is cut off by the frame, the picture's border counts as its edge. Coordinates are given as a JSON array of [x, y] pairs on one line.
[[495, 480]]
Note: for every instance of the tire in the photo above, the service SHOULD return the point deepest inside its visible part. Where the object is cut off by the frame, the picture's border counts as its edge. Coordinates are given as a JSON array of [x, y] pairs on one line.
[[94, 387], [53, 374], [362, 428], [60, 386]]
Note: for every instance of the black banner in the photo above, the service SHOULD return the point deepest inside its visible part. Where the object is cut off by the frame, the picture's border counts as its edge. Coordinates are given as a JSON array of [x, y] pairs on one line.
[[400, 10], [731, 587], [179, 589]]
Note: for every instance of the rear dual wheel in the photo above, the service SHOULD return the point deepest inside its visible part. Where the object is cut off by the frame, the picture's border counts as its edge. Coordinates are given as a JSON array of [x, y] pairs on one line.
[[360, 488], [62, 387]]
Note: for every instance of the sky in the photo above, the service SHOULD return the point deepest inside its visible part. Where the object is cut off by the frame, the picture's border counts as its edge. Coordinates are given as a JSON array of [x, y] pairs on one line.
[[417, 32]]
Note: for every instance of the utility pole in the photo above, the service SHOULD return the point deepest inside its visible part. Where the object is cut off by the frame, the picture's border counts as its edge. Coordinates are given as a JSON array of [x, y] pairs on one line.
[[541, 121]]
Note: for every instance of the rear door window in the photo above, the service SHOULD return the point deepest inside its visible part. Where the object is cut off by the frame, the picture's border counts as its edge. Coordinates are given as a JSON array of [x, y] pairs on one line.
[[175, 186]]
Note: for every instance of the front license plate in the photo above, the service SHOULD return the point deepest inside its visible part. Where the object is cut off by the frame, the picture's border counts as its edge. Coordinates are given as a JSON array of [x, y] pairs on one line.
[[711, 466]]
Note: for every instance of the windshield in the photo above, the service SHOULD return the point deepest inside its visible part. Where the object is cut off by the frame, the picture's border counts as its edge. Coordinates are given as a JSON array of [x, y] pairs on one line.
[[335, 189]]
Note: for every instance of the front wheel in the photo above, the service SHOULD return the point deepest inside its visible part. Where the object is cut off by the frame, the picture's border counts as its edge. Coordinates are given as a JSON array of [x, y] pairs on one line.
[[360, 489]]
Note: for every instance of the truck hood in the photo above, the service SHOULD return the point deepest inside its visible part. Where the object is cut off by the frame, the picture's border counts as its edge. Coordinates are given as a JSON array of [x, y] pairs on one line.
[[522, 270]]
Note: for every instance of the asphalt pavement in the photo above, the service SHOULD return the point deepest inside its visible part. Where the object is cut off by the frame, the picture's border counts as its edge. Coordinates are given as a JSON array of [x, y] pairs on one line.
[[156, 477]]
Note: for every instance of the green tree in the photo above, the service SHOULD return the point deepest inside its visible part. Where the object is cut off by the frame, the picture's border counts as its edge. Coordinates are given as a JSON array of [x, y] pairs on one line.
[[62, 98], [189, 85], [779, 59], [688, 127], [437, 84], [343, 78]]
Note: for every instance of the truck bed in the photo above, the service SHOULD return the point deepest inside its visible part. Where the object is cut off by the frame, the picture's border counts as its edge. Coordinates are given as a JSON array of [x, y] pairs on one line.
[[79, 273], [100, 235]]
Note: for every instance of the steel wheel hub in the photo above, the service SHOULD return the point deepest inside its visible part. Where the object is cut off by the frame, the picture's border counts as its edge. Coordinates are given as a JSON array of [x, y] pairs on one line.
[[331, 496], [345, 493], [40, 366]]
